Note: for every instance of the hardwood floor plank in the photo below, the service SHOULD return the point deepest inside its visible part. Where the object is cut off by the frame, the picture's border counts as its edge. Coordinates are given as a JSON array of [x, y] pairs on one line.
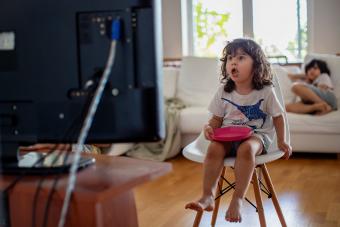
[[307, 188]]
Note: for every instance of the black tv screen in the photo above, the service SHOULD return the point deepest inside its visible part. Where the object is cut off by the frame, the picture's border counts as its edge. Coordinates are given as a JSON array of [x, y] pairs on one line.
[[52, 54]]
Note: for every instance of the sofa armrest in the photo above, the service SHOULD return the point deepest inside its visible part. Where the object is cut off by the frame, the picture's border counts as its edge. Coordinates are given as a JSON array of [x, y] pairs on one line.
[[170, 77], [293, 69]]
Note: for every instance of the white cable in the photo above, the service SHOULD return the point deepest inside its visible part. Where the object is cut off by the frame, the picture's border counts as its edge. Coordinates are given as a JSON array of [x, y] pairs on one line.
[[84, 131]]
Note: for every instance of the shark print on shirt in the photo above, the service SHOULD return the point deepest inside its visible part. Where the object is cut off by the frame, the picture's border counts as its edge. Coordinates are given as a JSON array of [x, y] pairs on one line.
[[252, 112]]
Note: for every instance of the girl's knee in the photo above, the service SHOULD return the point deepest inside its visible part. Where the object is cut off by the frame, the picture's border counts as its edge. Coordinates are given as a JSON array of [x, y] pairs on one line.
[[294, 87], [215, 145], [215, 149], [297, 87], [249, 149], [245, 152]]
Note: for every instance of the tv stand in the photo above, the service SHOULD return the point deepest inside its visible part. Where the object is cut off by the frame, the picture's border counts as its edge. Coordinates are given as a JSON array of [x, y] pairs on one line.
[[103, 195]]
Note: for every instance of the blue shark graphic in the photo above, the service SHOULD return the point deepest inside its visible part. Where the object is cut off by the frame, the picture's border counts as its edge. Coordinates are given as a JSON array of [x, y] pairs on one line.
[[252, 112]]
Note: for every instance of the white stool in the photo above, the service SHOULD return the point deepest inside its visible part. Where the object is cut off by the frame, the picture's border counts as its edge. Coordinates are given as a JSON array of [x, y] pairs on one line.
[[195, 152]]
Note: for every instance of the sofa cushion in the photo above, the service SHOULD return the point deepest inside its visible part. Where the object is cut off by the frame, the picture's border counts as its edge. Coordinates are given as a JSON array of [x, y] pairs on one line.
[[193, 119], [333, 63], [312, 124], [285, 83], [198, 80]]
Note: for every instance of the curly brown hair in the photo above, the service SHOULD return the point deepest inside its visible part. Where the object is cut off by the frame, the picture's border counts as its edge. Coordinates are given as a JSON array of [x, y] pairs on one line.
[[261, 67]]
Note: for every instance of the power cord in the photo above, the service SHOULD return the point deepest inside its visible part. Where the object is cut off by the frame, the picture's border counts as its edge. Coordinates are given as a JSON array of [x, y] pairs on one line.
[[55, 159], [69, 131], [115, 36], [58, 175]]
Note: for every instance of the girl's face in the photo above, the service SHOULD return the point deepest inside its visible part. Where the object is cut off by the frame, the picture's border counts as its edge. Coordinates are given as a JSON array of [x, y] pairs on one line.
[[313, 73], [240, 67]]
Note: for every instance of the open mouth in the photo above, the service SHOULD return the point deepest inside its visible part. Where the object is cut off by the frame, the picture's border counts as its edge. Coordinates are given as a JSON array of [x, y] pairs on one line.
[[234, 71]]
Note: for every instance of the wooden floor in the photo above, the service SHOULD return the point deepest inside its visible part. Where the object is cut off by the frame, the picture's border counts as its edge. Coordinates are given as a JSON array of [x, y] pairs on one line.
[[307, 185]]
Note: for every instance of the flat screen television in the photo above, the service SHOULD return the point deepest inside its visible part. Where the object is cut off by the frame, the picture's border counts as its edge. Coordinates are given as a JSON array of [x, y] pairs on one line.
[[52, 54]]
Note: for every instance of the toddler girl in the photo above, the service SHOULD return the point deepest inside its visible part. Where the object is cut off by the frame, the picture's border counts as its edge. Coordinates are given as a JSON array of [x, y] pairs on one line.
[[245, 98]]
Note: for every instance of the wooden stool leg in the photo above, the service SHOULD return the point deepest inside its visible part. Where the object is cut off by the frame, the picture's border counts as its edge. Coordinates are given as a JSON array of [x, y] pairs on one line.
[[198, 219], [274, 197], [258, 199], [217, 201]]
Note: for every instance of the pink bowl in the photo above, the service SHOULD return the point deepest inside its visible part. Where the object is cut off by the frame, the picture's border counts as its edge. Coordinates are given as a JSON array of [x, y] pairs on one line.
[[232, 133]]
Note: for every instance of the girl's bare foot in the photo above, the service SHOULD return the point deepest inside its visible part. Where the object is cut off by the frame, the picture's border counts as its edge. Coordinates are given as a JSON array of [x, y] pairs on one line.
[[205, 203], [323, 108], [318, 107], [234, 211]]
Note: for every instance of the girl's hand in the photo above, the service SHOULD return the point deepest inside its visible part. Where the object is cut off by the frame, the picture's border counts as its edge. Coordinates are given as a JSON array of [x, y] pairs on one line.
[[208, 132], [323, 87], [46, 147], [286, 148], [291, 76]]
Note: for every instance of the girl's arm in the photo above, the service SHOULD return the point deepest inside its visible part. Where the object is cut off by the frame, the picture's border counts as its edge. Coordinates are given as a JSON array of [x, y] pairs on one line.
[[279, 125], [295, 77], [214, 122], [323, 87]]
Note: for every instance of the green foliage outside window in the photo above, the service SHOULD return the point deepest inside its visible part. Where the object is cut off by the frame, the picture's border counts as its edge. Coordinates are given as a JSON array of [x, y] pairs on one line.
[[293, 45], [210, 32], [209, 29]]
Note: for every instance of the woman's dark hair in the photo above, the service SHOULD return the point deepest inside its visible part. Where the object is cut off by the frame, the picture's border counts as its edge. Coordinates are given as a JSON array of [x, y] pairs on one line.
[[261, 67], [320, 64]]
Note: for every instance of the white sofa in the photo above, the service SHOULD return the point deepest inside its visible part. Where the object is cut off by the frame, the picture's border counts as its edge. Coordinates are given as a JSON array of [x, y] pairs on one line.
[[191, 84], [195, 83]]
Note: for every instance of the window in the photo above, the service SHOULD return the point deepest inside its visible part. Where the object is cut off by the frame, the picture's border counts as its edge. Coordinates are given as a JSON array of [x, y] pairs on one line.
[[280, 27], [214, 20]]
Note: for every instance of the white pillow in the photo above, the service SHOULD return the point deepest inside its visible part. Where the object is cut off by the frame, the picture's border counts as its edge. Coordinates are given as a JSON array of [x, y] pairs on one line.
[[198, 80], [285, 83]]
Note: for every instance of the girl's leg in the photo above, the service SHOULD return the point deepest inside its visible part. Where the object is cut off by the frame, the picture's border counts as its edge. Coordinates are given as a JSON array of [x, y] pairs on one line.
[[244, 167], [306, 94], [302, 108], [212, 168]]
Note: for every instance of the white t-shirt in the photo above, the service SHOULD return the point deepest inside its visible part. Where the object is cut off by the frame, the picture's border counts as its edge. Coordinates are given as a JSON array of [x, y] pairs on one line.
[[254, 110], [323, 79]]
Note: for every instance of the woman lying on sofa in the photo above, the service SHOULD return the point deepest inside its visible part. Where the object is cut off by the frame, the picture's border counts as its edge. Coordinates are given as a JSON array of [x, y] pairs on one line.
[[315, 89]]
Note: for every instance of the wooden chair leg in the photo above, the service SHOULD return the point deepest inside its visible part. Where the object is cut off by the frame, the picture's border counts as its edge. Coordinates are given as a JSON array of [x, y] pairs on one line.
[[258, 198], [274, 197], [198, 219], [217, 201]]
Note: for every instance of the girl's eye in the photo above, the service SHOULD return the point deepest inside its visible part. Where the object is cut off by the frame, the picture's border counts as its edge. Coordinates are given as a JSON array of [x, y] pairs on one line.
[[229, 58], [241, 57]]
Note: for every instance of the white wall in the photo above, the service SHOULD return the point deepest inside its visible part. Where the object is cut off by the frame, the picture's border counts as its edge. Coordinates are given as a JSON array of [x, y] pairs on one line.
[[172, 34], [323, 19]]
